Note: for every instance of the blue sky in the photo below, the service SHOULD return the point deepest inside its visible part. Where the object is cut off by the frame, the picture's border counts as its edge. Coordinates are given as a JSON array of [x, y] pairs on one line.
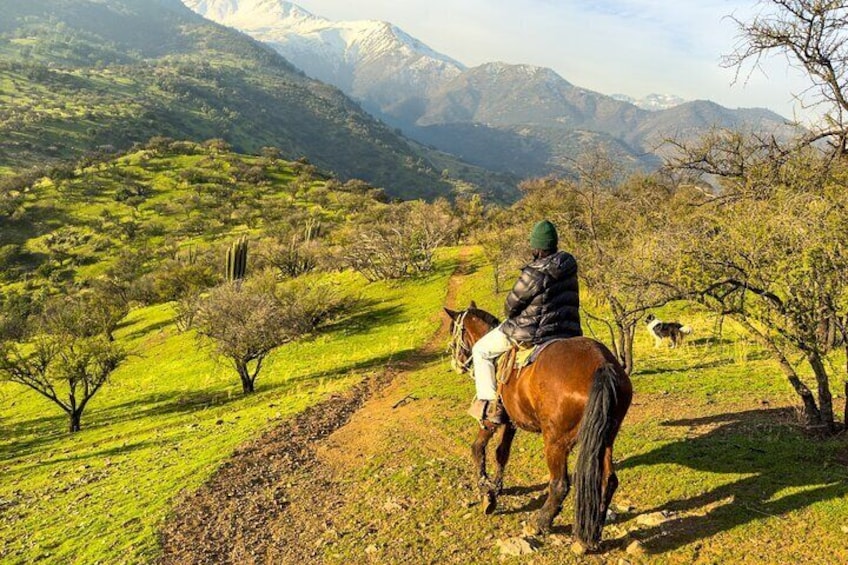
[[634, 47]]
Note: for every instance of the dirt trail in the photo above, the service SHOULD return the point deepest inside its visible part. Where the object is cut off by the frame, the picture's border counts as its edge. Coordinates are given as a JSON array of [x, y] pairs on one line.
[[275, 498]]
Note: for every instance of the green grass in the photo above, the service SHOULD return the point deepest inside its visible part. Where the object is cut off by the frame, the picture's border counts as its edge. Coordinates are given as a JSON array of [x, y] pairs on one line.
[[711, 437], [91, 212], [169, 416], [745, 484]]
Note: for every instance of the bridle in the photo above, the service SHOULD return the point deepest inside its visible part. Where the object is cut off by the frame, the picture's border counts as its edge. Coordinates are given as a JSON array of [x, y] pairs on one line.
[[457, 345]]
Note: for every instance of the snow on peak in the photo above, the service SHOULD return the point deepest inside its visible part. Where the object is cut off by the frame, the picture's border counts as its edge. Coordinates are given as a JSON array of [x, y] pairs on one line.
[[364, 58], [652, 102], [284, 24], [252, 14]]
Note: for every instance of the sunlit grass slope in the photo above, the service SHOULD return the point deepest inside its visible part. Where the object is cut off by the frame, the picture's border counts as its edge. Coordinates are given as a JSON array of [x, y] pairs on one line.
[[170, 416], [711, 440]]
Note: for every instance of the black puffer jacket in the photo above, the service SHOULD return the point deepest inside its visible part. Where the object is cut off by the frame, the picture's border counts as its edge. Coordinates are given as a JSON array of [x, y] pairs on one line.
[[545, 302]]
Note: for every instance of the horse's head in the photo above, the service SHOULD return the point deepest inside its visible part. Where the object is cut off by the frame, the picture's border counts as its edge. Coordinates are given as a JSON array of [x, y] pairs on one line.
[[467, 326]]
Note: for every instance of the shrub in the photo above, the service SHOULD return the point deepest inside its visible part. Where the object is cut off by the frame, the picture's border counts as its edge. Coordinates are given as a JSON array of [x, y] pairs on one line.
[[294, 253], [246, 320], [402, 242], [176, 279]]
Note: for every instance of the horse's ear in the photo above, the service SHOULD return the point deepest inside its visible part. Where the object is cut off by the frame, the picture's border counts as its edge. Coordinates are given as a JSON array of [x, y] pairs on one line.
[[472, 305], [452, 313]]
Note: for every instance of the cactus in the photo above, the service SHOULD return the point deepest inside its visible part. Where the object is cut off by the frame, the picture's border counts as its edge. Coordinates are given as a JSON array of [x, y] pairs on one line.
[[237, 260], [312, 230], [189, 257]]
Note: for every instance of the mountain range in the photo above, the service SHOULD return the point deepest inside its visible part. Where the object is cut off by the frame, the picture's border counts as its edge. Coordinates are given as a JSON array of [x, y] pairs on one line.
[[521, 119], [78, 76]]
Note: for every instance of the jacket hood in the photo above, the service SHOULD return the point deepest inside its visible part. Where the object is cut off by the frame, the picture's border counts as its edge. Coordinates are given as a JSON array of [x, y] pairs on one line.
[[559, 265]]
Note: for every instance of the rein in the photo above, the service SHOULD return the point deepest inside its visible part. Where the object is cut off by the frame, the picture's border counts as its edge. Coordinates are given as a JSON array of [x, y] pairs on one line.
[[457, 345]]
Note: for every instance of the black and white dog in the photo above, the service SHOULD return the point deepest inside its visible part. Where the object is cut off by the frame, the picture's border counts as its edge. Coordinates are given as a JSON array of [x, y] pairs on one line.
[[671, 331]]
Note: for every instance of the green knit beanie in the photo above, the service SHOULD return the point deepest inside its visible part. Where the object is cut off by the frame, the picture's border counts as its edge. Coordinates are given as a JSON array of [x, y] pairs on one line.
[[544, 236]]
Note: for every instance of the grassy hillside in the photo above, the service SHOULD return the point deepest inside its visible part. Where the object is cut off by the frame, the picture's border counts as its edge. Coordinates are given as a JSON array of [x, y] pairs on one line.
[[169, 416], [78, 76], [711, 440], [163, 200]]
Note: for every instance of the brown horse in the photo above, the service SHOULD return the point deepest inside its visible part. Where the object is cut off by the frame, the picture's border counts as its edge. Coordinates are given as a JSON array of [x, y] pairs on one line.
[[576, 392]]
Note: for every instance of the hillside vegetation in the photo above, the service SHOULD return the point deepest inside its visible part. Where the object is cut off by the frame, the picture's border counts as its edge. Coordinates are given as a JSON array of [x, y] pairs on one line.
[[167, 200], [79, 76], [171, 415]]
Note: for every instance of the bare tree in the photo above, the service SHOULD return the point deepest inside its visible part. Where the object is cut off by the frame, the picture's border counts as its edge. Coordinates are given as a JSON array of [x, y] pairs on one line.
[[401, 241], [66, 362], [813, 35], [246, 320], [774, 260]]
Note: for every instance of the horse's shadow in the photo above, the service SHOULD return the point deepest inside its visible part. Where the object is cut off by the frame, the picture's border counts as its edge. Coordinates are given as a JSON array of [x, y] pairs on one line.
[[521, 490], [531, 504], [761, 444]]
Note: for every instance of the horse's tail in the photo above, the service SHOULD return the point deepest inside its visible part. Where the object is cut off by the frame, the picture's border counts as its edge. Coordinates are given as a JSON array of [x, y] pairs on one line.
[[595, 431]]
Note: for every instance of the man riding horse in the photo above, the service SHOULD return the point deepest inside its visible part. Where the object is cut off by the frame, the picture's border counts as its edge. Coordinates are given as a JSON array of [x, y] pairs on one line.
[[544, 304]]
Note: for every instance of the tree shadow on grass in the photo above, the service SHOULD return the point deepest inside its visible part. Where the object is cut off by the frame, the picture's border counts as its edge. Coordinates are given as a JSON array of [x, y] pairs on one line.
[[144, 329], [163, 404], [467, 268], [89, 455], [29, 436], [366, 318], [763, 444], [692, 367]]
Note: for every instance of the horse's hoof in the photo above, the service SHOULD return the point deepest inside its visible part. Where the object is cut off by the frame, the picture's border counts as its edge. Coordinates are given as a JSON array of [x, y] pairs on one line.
[[490, 502]]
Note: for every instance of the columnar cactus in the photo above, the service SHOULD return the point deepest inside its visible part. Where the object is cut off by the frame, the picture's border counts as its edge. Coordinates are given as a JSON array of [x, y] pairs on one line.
[[237, 260]]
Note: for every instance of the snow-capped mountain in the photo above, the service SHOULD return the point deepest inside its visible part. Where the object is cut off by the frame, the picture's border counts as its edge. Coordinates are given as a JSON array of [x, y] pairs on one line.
[[374, 62], [521, 119], [652, 102]]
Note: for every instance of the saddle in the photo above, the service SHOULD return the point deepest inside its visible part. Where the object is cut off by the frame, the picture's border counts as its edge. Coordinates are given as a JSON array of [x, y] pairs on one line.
[[520, 356]]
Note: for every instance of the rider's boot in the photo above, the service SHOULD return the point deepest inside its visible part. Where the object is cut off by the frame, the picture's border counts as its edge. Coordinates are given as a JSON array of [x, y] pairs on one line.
[[495, 413], [477, 409], [487, 412]]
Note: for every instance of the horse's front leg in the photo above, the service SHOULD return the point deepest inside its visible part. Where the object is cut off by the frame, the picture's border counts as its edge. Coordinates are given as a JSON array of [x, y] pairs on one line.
[[478, 452], [502, 455]]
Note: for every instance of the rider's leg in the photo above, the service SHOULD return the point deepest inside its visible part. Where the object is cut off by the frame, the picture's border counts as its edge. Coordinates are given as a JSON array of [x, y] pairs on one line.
[[484, 352]]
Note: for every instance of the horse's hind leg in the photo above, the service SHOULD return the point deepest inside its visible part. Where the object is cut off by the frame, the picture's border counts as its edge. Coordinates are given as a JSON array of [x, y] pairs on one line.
[[502, 455], [478, 452], [556, 455], [610, 480]]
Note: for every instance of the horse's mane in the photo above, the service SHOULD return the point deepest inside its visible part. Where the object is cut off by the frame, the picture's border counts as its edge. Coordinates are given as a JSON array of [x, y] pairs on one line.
[[485, 316]]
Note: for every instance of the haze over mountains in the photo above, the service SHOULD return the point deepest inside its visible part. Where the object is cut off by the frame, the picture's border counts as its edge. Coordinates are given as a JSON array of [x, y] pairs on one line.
[[520, 119]]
